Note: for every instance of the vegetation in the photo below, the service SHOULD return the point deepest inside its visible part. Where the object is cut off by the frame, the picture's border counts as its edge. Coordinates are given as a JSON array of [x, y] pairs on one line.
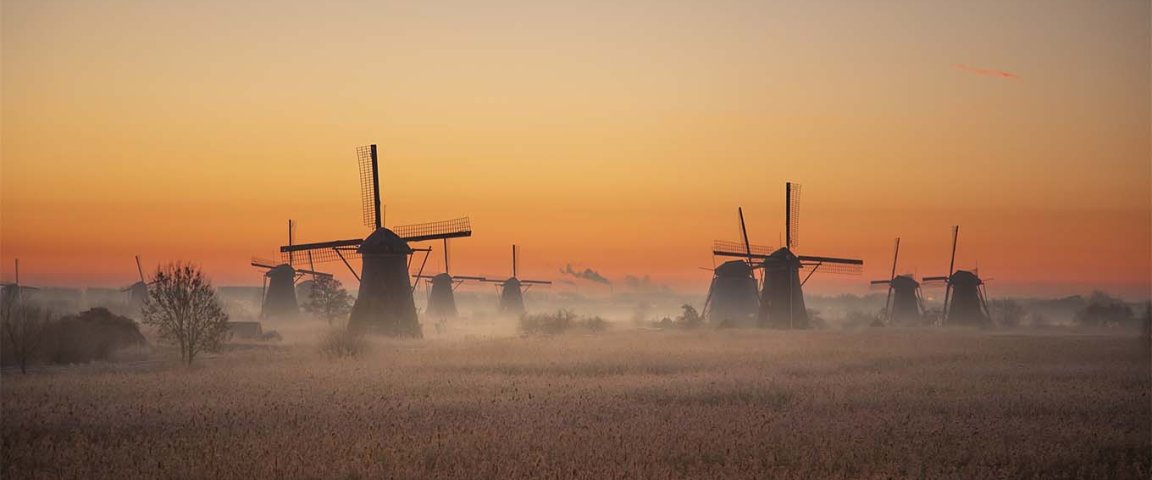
[[1103, 310], [183, 308], [342, 342], [1006, 313], [875, 403], [90, 335], [329, 300], [23, 326], [560, 322], [688, 319]]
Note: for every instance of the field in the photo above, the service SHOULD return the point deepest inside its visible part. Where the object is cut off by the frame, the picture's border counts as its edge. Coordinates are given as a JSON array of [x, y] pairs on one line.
[[637, 404]]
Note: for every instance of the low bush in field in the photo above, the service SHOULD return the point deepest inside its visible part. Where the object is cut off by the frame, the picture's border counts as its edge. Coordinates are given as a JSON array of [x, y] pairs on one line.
[[559, 322], [90, 335], [340, 342]]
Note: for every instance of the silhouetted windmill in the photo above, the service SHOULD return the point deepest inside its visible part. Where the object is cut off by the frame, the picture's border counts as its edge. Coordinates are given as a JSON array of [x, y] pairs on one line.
[[137, 292], [781, 293], [511, 293], [903, 304], [279, 287], [14, 291], [384, 304], [733, 296], [964, 299], [441, 298]]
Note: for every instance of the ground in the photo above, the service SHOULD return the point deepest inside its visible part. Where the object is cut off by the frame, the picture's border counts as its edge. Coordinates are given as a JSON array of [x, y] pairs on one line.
[[639, 404]]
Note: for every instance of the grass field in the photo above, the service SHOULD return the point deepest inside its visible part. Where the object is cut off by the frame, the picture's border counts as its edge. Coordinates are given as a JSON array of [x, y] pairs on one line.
[[641, 404]]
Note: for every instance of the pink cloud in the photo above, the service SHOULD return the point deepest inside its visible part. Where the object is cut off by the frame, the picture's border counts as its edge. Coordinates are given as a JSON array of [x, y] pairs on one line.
[[987, 72]]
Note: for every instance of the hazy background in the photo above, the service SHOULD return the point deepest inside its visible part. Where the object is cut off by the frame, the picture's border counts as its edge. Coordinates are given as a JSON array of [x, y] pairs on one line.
[[614, 137]]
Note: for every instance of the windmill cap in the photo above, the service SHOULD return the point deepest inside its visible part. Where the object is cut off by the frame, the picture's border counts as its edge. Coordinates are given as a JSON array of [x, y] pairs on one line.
[[964, 277], [734, 268], [441, 277], [282, 269], [781, 255], [384, 242], [902, 281], [512, 282]]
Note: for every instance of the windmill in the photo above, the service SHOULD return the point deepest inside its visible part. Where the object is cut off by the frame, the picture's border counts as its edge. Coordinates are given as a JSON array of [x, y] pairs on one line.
[[964, 299], [903, 304], [781, 292], [14, 292], [511, 293], [279, 288], [733, 299], [441, 297], [384, 303], [137, 292]]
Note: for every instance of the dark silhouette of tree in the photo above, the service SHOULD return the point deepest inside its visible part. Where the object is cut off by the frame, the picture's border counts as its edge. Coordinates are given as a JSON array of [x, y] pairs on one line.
[[1103, 310], [182, 306], [329, 300], [23, 326], [1006, 312]]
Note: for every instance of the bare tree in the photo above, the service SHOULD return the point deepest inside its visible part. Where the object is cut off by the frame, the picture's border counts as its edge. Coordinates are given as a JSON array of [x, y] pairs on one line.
[[23, 326], [182, 306], [329, 300]]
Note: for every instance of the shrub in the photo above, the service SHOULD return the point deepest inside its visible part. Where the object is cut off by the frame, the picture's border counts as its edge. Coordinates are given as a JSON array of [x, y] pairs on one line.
[[94, 334], [340, 342], [560, 322], [1006, 312], [1103, 310]]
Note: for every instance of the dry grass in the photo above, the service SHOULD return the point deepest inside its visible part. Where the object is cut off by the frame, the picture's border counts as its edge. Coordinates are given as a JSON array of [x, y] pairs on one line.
[[733, 404]]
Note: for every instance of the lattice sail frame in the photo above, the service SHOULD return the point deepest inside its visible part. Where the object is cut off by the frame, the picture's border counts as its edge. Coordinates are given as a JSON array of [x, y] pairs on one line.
[[367, 185], [457, 227], [736, 249], [794, 216]]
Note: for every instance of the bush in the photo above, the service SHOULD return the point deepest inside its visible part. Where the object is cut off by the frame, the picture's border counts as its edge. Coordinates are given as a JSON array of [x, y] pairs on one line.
[[94, 334], [688, 319], [340, 342], [560, 322], [1006, 313], [1103, 310]]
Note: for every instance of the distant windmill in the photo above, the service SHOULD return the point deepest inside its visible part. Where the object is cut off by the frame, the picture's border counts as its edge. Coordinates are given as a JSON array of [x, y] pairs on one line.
[[964, 299], [384, 304], [511, 293], [733, 299], [903, 305], [14, 291], [441, 298], [137, 292], [279, 292], [781, 293]]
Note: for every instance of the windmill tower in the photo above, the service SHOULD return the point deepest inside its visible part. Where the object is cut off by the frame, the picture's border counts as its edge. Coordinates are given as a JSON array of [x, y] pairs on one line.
[[14, 292], [512, 290], [137, 292], [903, 305], [384, 304], [781, 292], [441, 297], [279, 292], [964, 299], [733, 299]]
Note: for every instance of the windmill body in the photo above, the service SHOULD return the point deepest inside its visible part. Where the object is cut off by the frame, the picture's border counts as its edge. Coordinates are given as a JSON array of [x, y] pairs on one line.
[[280, 297], [732, 296], [384, 303], [906, 306], [441, 298], [782, 298], [967, 307]]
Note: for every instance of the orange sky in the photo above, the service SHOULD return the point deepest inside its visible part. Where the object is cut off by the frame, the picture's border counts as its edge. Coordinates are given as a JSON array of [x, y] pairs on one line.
[[618, 138]]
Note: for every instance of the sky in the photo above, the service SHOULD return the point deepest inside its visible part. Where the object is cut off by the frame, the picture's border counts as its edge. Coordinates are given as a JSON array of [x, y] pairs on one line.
[[616, 136]]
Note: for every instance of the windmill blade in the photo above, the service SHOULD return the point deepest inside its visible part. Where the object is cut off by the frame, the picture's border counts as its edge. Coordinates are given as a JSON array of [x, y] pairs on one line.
[[458, 227], [139, 269], [467, 277], [722, 248], [339, 250], [792, 215], [369, 185], [844, 261], [934, 279], [832, 268], [313, 273], [535, 282], [880, 282]]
